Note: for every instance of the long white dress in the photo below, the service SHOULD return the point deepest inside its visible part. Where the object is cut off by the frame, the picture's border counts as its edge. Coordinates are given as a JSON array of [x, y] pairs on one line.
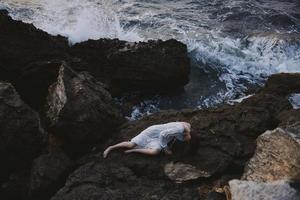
[[158, 136]]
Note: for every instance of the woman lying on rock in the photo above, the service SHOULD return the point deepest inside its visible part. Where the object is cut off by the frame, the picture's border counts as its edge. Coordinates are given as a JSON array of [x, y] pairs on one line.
[[155, 138]]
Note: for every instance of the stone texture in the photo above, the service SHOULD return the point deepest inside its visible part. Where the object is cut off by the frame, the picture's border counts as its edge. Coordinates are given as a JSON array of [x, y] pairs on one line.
[[80, 110], [277, 157], [249, 190], [123, 66], [145, 66], [48, 171], [22, 44], [180, 172], [115, 180], [223, 139], [20, 131]]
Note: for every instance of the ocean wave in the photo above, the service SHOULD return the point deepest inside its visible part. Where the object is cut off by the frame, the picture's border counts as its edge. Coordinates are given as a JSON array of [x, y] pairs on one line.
[[76, 19], [242, 62], [234, 52]]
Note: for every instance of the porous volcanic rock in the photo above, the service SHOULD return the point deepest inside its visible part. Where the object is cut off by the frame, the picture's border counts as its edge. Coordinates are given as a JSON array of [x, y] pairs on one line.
[[34, 81], [48, 171], [124, 66], [250, 190], [223, 140], [20, 131], [80, 110], [277, 157], [22, 44], [180, 172], [102, 179], [283, 83], [144, 66]]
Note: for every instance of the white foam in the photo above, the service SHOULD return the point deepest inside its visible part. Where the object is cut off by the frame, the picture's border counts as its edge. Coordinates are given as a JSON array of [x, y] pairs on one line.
[[246, 61], [295, 100], [238, 61], [76, 19], [239, 100], [144, 108]]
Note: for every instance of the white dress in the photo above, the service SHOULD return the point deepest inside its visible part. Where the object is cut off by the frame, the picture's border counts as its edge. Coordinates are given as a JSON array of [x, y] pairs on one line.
[[158, 136]]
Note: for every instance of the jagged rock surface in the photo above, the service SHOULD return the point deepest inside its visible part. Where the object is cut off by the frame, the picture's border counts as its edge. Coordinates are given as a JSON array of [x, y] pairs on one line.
[[223, 139], [153, 65], [144, 66], [180, 172], [22, 44], [20, 131], [48, 172], [277, 157], [100, 179], [80, 110], [249, 190]]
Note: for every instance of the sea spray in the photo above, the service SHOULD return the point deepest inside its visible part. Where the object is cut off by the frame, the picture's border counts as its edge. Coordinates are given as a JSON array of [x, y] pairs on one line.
[[78, 20], [235, 44]]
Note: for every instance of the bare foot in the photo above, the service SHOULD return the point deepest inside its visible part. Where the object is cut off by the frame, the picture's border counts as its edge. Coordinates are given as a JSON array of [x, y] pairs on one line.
[[106, 152]]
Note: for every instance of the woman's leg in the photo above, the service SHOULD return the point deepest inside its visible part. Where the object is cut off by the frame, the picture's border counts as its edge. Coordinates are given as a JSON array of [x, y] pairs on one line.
[[117, 146], [151, 152]]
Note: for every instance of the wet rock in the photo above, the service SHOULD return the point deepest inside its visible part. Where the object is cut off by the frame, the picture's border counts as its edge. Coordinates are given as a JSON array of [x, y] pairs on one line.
[[124, 66], [277, 157], [144, 66], [80, 110], [249, 190], [283, 84], [20, 131], [180, 172], [48, 172]]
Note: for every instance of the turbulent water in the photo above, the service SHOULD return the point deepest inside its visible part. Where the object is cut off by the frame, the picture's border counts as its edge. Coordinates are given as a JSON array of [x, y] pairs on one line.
[[233, 44]]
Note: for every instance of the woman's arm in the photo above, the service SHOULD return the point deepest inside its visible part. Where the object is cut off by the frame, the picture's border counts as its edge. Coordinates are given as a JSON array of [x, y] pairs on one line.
[[144, 151]]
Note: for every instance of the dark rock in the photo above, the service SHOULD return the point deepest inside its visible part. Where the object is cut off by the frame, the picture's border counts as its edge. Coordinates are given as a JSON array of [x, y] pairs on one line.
[[34, 81], [22, 44], [223, 139], [48, 172], [215, 196], [16, 186], [290, 120], [20, 131], [80, 110], [114, 180], [283, 84], [144, 66]]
